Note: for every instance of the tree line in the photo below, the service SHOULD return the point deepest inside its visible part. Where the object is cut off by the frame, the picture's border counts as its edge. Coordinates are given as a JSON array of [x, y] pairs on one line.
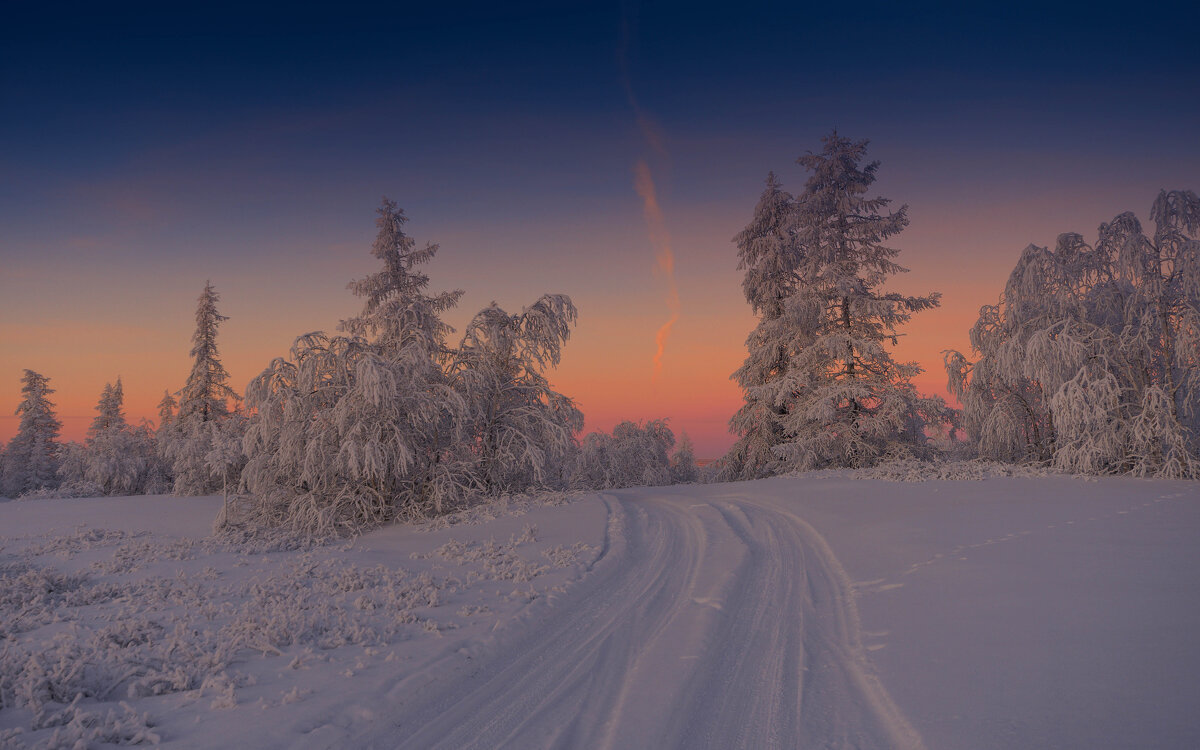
[[1089, 362], [382, 421]]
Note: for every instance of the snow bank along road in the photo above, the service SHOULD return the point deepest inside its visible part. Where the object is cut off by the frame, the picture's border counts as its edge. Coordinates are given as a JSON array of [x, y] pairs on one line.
[[722, 622]]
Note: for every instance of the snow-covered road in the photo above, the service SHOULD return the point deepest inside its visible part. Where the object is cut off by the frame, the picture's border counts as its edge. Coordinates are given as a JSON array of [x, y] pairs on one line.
[[723, 623], [806, 612]]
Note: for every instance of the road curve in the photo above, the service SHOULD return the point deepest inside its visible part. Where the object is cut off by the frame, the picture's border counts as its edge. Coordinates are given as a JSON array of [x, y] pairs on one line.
[[717, 623]]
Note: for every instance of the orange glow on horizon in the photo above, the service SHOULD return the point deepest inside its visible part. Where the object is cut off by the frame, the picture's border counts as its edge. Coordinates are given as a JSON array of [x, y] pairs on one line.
[[146, 341]]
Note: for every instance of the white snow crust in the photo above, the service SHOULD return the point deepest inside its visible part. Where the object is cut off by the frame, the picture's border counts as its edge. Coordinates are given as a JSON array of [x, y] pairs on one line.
[[818, 611]]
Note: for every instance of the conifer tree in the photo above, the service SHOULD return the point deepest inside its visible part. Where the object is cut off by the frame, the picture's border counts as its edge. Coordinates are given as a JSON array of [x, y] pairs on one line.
[[109, 412], [206, 394], [204, 400], [32, 457], [683, 462], [768, 253], [353, 431], [117, 458], [821, 387], [166, 409]]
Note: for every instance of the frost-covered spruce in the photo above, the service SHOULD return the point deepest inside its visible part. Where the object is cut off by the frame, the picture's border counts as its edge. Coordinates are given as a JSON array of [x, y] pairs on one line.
[[187, 439], [522, 431], [821, 386], [166, 409], [32, 457], [1091, 360], [117, 458], [768, 253], [355, 430], [109, 411]]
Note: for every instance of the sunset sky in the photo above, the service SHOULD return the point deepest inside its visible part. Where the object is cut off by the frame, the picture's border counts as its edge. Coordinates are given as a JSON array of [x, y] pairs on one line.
[[583, 148]]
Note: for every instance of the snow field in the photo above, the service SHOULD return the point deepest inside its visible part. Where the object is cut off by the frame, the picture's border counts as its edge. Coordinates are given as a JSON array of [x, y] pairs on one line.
[[815, 611], [144, 635]]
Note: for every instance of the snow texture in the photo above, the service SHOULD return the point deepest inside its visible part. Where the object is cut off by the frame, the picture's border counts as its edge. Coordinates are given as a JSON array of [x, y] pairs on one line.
[[813, 611]]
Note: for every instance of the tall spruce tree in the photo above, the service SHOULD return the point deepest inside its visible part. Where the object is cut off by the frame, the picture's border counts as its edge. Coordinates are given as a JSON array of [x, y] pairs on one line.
[[204, 400], [768, 253], [206, 394], [821, 387], [32, 457]]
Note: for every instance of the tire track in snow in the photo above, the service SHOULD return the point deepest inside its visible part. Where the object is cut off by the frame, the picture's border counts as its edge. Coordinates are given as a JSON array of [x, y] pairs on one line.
[[722, 624]]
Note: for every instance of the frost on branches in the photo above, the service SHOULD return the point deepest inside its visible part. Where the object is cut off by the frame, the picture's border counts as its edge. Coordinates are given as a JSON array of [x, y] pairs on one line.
[[634, 455], [1090, 362], [352, 431], [387, 422], [196, 440], [820, 385], [522, 432], [31, 460], [117, 458]]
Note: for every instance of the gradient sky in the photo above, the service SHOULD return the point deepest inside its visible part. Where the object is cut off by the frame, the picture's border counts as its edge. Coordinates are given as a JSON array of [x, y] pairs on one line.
[[143, 151]]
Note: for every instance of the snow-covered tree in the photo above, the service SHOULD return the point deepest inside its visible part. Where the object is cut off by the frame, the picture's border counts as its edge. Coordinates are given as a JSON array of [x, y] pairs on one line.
[[116, 461], [768, 253], [821, 386], [166, 409], [683, 462], [522, 431], [353, 431], [109, 411], [206, 394], [32, 457], [634, 455], [225, 458], [117, 458], [187, 438], [1091, 359]]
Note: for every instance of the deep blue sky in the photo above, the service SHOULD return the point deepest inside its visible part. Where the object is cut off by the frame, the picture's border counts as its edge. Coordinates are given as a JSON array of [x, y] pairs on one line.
[[146, 149]]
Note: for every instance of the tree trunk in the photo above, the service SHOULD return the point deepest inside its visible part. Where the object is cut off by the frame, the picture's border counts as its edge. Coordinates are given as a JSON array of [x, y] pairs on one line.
[[849, 371]]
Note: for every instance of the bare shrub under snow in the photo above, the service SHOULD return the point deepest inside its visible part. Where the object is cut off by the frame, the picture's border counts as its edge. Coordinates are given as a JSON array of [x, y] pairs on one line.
[[915, 470]]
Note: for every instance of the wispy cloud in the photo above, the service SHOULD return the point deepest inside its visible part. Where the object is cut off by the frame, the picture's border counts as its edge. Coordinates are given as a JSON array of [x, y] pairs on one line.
[[664, 256], [643, 183]]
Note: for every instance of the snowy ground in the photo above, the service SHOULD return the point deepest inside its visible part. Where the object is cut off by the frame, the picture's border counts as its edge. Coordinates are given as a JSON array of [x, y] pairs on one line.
[[792, 612]]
